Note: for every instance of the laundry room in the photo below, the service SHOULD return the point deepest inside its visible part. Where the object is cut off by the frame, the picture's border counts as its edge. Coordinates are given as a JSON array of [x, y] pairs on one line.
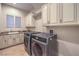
[[39, 29]]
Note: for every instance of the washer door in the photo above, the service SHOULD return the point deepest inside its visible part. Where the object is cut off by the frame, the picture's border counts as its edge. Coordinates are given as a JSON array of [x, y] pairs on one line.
[[36, 49]]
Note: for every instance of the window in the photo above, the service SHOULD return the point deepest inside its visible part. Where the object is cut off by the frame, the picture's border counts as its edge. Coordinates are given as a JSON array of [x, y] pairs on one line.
[[17, 22], [10, 21], [13, 21]]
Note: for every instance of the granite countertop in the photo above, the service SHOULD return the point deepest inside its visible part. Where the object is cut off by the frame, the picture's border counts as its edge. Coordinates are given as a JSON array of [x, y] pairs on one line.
[[10, 32]]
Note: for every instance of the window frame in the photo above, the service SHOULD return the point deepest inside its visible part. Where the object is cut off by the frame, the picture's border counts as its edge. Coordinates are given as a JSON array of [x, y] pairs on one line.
[[14, 25], [15, 21], [7, 21]]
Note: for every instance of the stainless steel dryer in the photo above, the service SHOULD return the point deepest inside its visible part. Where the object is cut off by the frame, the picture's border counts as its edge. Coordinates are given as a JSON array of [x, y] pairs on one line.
[[44, 44]]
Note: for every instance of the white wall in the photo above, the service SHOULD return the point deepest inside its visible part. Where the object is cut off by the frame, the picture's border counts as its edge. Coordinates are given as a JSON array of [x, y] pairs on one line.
[[1, 21], [8, 10], [0, 10]]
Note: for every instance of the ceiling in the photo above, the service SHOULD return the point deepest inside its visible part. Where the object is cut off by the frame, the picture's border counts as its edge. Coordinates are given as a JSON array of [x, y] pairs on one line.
[[28, 7]]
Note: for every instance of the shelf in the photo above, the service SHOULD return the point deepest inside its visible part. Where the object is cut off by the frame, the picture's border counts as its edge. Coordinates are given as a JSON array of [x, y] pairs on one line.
[[63, 24]]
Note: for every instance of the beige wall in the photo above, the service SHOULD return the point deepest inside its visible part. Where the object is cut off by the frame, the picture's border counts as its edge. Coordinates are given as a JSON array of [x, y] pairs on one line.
[[38, 25], [8, 10], [68, 39]]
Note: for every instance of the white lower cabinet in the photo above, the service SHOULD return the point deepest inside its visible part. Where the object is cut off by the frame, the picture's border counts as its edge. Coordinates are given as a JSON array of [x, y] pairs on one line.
[[1, 42], [18, 38], [5, 41], [14, 39], [9, 40]]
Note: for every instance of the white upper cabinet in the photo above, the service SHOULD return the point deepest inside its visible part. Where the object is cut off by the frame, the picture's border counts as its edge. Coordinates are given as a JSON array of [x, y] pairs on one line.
[[60, 14], [68, 12], [77, 12], [54, 13], [45, 14], [29, 20], [50, 13]]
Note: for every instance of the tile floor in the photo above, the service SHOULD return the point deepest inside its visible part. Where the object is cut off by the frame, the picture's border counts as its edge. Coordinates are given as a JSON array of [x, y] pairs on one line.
[[14, 51]]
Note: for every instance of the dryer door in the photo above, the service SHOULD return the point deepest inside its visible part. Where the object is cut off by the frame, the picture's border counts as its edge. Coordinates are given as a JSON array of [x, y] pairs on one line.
[[36, 49]]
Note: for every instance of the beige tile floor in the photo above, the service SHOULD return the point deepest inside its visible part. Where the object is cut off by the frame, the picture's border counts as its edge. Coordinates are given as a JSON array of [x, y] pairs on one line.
[[14, 51]]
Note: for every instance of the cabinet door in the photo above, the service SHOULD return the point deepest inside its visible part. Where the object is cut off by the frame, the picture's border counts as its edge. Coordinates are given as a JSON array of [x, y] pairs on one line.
[[45, 14], [68, 12], [29, 20], [13, 39], [1, 42], [5, 41], [10, 40], [77, 12], [17, 38], [21, 38], [53, 13]]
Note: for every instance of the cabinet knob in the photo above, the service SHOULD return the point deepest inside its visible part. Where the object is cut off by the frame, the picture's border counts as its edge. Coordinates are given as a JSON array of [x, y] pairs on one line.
[[50, 38], [48, 22], [60, 20]]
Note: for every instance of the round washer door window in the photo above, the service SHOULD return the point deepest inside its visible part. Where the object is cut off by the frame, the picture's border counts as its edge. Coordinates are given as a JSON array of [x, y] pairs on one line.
[[37, 49]]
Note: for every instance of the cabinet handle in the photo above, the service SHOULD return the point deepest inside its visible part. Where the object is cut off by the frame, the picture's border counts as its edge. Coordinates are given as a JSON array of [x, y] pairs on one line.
[[48, 22], [60, 20], [5, 40], [13, 38]]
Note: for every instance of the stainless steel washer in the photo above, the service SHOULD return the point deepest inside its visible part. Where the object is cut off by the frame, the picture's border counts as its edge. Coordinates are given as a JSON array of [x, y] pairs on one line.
[[27, 41]]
